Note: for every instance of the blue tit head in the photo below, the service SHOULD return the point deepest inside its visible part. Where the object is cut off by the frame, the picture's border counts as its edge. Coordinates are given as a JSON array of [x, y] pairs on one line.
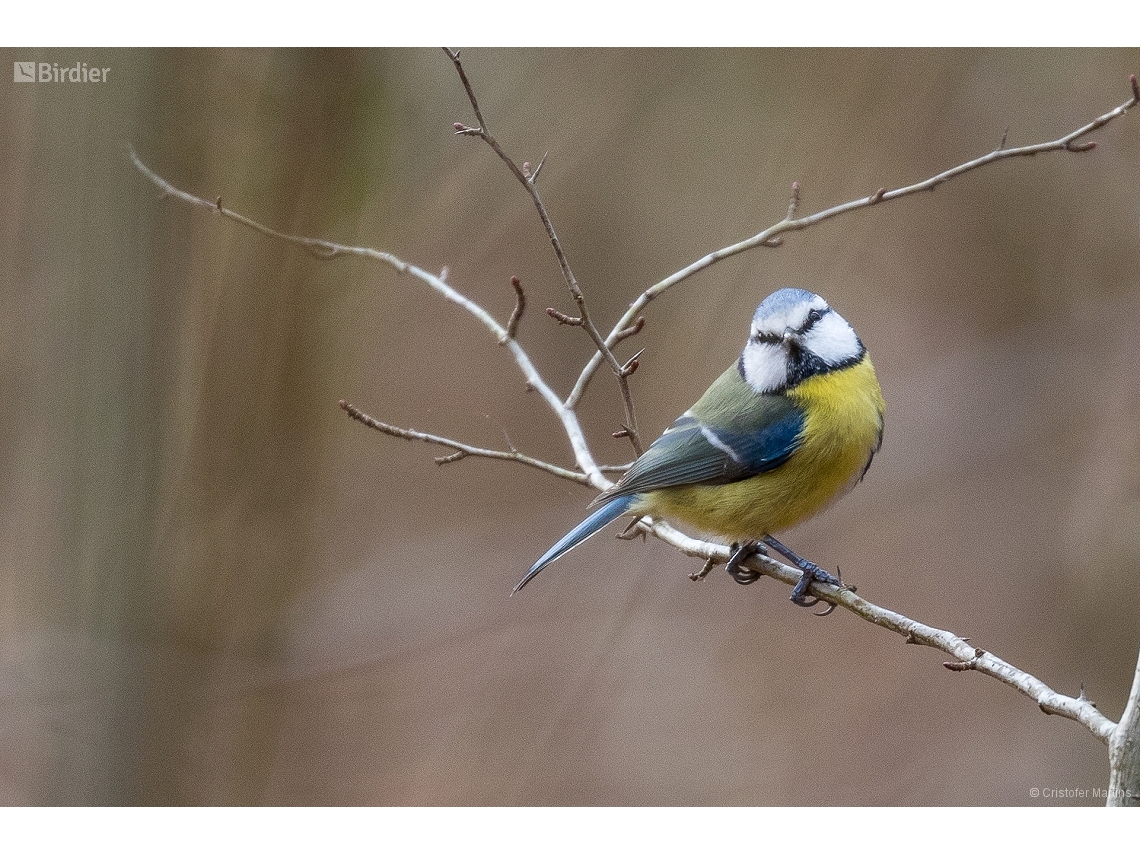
[[796, 335]]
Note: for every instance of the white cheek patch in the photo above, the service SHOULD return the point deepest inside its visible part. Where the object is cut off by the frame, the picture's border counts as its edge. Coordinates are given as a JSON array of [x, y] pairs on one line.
[[765, 367], [832, 339]]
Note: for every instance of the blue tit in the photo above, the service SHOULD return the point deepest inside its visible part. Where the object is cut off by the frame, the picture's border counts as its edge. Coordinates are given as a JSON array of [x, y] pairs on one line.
[[790, 427]]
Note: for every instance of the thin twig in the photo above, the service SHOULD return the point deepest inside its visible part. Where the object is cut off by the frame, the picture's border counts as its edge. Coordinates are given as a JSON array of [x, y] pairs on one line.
[[533, 176], [771, 236], [462, 449], [320, 248], [328, 250], [632, 330], [604, 347], [520, 307], [562, 318], [794, 202]]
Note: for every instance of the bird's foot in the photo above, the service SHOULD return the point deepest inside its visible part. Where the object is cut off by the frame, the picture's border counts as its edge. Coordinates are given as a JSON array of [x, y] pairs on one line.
[[741, 552], [810, 572]]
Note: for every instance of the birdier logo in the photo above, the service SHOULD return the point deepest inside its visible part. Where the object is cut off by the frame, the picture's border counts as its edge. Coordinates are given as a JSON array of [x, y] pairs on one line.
[[53, 72]]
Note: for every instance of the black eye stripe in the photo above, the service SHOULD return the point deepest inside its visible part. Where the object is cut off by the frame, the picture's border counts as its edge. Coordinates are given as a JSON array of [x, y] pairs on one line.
[[814, 316]]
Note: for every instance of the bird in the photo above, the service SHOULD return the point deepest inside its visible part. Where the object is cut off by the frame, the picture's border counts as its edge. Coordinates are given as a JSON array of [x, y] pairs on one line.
[[789, 428]]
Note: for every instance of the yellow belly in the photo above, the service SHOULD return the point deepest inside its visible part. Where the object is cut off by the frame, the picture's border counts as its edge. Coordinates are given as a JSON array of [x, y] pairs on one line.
[[842, 430]]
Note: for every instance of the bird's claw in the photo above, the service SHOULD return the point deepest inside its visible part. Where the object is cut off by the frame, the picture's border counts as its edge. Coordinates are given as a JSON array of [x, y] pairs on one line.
[[830, 608], [815, 573], [741, 553]]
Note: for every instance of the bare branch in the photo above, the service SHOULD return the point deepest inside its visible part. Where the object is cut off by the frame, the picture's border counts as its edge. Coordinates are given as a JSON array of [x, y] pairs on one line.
[[704, 571], [618, 468], [520, 307], [328, 250], [322, 249], [968, 656], [1124, 747], [563, 318], [771, 236], [794, 204], [631, 330], [462, 449], [603, 346]]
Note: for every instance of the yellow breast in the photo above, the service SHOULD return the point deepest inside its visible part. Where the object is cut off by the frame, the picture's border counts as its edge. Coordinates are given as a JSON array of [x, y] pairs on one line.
[[843, 428]]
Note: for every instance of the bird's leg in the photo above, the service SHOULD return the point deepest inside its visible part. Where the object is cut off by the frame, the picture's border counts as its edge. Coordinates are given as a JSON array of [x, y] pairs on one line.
[[811, 573], [741, 552]]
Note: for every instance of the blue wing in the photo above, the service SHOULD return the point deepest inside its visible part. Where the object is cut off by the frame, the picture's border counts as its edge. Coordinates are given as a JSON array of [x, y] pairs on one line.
[[730, 434]]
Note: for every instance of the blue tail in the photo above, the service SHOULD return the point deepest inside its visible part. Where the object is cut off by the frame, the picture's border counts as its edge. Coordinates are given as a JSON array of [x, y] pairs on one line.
[[588, 527]]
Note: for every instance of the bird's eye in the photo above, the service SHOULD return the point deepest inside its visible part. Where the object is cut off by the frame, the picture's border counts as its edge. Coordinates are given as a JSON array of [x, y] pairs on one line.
[[813, 316]]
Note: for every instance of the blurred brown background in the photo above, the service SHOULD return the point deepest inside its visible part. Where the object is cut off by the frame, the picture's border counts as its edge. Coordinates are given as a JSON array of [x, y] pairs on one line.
[[215, 588]]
